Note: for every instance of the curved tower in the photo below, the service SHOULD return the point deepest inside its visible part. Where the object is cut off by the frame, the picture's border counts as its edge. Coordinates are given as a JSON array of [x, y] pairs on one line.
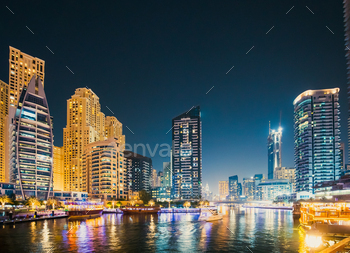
[[316, 138], [32, 143]]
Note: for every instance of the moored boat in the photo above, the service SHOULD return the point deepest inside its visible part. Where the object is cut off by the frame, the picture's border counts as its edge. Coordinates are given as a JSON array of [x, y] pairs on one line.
[[140, 209], [83, 209]]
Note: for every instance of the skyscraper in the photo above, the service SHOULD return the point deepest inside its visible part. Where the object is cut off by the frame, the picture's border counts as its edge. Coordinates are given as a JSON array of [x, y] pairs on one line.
[[139, 169], [286, 173], [21, 69], [223, 190], [234, 191], [347, 56], [4, 96], [166, 182], [187, 155], [248, 188], [342, 156], [58, 169], [32, 143], [316, 138], [85, 124], [274, 147]]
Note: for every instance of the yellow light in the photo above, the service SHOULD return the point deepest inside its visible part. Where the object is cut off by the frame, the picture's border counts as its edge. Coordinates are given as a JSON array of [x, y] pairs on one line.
[[313, 241]]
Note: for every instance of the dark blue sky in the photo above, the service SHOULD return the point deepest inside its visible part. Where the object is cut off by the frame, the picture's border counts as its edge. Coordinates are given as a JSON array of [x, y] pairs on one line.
[[149, 61]]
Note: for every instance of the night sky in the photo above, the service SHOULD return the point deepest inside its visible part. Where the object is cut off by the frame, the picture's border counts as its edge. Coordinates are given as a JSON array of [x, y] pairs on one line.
[[150, 61]]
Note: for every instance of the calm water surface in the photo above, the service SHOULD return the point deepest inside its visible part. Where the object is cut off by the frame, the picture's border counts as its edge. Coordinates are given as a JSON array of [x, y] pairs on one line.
[[257, 229]]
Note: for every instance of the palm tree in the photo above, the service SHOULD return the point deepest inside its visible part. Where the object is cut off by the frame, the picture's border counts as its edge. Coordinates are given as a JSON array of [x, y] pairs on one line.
[[52, 202], [4, 199]]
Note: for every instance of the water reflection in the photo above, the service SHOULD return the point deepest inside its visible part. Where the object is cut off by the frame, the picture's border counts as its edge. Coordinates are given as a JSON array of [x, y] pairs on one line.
[[260, 230]]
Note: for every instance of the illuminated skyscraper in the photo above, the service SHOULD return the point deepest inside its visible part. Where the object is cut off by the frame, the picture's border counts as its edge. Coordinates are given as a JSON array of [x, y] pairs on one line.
[[316, 138], [4, 96], [187, 155], [347, 55], [85, 124], [113, 128], [166, 182], [32, 143], [58, 169], [21, 69], [223, 190], [233, 184], [274, 147], [248, 188]]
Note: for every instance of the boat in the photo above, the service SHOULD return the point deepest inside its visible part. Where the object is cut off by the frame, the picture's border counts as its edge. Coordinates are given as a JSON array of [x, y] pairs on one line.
[[140, 209], [83, 209], [210, 216]]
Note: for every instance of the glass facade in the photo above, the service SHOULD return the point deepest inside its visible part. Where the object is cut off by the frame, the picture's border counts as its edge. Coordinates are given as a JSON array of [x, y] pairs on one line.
[[31, 143], [274, 147], [187, 155], [316, 138]]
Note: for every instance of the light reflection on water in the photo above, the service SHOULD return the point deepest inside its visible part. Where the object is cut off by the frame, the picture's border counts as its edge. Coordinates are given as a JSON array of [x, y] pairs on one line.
[[260, 230]]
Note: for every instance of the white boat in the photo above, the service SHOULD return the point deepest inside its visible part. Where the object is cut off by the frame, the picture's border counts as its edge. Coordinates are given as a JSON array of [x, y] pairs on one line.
[[209, 216]]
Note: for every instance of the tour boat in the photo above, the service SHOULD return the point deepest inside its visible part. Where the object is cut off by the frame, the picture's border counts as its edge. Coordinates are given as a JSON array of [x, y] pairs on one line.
[[140, 209], [83, 209], [209, 216]]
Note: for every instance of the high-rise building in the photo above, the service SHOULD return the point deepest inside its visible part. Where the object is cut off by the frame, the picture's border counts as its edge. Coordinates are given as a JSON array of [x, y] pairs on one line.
[[58, 169], [154, 178], [271, 188], [234, 191], [85, 124], [316, 138], [187, 155], [32, 143], [4, 97], [342, 156], [257, 180], [104, 172], [21, 69], [223, 190], [347, 55], [286, 173], [166, 182], [113, 128], [248, 188], [274, 148], [139, 169]]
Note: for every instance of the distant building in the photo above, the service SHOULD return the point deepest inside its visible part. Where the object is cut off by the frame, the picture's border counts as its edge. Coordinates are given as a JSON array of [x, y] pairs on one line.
[[31, 147], [105, 174], [286, 173], [257, 180], [248, 188], [58, 169], [161, 193], [154, 178], [69, 195], [274, 148], [316, 138], [139, 170], [271, 188], [187, 155], [234, 190], [223, 190], [336, 190], [166, 182]]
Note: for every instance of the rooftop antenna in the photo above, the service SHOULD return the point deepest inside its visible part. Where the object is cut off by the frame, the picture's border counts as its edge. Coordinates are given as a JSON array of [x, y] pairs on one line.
[[280, 117], [269, 127]]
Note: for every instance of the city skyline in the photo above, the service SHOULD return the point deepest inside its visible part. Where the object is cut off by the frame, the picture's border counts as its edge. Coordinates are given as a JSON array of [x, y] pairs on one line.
[[138, 83]]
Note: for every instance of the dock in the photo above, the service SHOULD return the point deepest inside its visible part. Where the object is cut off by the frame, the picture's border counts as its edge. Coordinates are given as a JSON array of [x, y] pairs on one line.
[[14, 221]]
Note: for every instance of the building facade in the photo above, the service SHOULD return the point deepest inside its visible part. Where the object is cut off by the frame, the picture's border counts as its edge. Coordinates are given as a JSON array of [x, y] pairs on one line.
[[316, 138], [139, 169], [104, 171], [161, 193], [31, 159], [223, 190], [4, 98], [85, 124], [234, 191], [187, 155], [7, 189], [21, 69], [58, 169], [342, 156], [248, 188], [347, 56], [271, 188], [286, 173], [274, 150], [166, 182], [257, 180]]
